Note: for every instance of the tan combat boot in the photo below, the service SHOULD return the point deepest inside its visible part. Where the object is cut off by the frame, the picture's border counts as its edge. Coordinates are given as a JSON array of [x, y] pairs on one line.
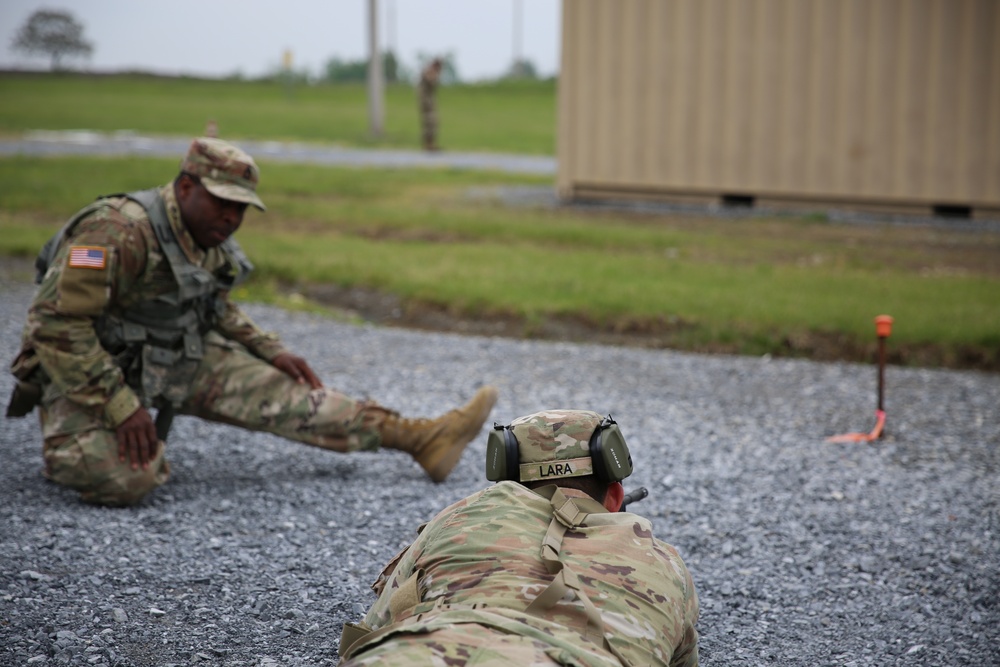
[[437, 444]]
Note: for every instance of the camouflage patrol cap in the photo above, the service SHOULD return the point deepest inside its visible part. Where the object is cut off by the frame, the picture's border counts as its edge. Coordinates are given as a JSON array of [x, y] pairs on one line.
[[225, 170], [555, 443]]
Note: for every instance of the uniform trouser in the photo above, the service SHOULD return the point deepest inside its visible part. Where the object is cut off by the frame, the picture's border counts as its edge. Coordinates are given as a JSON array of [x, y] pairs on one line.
[[428, 123], [230, 386]]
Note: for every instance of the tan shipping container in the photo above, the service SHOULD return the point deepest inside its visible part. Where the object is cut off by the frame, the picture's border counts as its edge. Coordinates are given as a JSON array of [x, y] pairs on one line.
[[872, 104]]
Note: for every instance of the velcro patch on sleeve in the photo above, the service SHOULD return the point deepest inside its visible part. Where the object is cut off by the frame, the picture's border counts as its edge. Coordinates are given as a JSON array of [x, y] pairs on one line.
[[88, 257]]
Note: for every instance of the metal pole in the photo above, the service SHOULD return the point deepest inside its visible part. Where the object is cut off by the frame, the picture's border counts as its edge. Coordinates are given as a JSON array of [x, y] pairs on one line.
[[883, 329], [390, 20], [376, 84], [881, 373], [516, 69]]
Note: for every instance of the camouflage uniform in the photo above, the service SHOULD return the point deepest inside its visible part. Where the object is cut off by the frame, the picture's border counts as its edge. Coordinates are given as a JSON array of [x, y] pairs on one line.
[[471, 588], [426, 89], [111, 270]]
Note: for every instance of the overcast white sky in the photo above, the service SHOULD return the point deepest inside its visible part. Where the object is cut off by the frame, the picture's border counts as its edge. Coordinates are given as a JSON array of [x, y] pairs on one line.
[[223, 37]]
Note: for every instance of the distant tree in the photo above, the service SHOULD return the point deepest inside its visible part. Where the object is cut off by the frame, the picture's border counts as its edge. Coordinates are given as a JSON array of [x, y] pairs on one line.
[[521, 69], [340, 71], [395, 71], [279, 74], [54, 33]]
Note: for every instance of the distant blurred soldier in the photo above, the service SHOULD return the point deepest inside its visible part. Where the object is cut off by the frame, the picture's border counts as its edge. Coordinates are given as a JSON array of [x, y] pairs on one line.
[[539, 569], [426, 91], [133, 313]]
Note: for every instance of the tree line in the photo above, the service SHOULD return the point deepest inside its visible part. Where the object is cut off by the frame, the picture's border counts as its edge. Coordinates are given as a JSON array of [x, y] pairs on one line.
[[58, 35]]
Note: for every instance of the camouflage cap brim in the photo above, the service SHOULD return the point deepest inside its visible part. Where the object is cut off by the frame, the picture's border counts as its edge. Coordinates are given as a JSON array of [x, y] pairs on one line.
[[232, 192]]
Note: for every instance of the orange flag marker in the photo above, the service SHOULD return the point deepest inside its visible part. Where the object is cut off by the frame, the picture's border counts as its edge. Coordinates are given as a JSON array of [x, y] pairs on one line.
[[883, 327]]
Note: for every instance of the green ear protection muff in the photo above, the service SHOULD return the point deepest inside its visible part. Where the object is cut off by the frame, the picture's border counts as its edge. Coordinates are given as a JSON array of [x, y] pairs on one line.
[[608, 452], [612, 460], [502, 460]]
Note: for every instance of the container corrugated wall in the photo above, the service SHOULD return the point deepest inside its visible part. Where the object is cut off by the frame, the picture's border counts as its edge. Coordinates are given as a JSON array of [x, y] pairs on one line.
[[873, 102]]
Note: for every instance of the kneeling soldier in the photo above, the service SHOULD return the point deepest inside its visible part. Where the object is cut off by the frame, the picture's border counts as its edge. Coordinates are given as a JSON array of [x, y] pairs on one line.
[[133, 313]]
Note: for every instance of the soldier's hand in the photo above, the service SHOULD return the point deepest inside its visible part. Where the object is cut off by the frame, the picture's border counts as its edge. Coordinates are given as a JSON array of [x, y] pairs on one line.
[[297, 368], [137, 440]]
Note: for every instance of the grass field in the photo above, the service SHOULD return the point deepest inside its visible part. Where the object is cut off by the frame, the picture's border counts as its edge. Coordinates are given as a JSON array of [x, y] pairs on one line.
[[782, 285], [515, 117], [779, 286]]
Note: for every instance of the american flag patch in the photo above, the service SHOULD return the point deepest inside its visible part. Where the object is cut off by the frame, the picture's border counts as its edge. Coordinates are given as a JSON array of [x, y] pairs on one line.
[[87, 257]]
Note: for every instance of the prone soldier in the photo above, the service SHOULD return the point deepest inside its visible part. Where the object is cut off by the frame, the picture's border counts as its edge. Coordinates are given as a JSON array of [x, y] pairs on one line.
[[133, 313], [539, 569]]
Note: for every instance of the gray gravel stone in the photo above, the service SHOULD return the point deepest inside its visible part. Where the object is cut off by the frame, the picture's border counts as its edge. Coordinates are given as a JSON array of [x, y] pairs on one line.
[[804, 552]]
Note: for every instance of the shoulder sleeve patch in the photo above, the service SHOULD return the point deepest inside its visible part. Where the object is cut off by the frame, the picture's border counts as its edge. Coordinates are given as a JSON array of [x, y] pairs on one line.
[[87, 257], [84, 283]]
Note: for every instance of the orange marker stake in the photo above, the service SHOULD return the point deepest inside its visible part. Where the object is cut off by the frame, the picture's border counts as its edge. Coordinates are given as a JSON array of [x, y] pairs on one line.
[[883, 327]]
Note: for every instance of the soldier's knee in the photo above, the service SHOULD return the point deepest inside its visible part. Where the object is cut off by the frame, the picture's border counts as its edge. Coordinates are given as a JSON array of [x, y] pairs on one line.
[[88, 462], [122, 491]]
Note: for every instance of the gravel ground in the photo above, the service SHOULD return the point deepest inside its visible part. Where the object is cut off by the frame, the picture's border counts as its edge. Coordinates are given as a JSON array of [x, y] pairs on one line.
[[804, 552]]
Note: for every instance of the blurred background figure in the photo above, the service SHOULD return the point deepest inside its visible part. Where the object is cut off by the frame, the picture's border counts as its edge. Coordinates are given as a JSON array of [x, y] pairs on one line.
[[426, 90]]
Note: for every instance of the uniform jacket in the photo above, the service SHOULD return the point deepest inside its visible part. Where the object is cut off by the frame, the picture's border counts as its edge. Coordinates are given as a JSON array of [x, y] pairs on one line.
[[426, 87], [485, 551], [130, 269]]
